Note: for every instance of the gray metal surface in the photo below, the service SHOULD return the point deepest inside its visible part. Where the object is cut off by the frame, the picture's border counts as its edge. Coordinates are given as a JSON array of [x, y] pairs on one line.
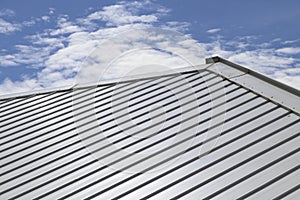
[[195, 135]]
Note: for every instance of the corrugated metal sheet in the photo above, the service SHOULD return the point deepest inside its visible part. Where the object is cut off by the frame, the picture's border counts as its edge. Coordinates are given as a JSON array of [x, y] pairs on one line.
[[217, 132]]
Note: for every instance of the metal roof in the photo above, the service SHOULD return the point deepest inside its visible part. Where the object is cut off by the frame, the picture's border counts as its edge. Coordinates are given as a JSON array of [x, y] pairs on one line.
[[215, 131]]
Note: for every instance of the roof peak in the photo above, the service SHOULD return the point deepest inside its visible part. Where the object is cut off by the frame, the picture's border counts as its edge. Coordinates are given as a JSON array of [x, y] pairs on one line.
[[236, 70]]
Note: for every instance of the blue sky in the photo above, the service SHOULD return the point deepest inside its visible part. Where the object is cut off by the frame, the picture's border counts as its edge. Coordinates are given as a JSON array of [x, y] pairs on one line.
[[44, 42]]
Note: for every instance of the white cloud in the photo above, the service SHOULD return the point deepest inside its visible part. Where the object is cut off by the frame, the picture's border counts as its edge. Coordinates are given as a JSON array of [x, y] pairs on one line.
[[117, 15], [60, 51], [291, 41], [127, 13], [29, 23], [214, 30], [42, 40], [51, 11], [45, 18], [132, 50], [8, 60], [289, 76], [33, 55], [65, 27], [7, 12], [289, 50], [176, 26], [7, 27], [262, 58], [19, 86]]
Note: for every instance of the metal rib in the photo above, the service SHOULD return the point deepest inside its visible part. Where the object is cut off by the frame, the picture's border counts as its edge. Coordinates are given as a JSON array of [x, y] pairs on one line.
[[78, 169], [241, 163], [99, 180], [45, 139], [285, 194], [290, 171]]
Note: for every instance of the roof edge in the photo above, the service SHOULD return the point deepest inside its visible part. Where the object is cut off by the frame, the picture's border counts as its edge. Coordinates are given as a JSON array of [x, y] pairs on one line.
[[208, 61], [258, 75], [181, 70]]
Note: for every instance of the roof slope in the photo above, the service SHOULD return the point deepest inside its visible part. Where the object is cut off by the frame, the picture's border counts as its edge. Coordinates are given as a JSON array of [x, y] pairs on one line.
[[220, 131]]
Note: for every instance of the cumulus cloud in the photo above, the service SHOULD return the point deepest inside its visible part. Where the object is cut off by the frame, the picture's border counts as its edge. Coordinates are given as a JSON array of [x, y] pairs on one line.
[[124, 13], [19, 86], [58, 52], [117, 15], [133, 50]]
